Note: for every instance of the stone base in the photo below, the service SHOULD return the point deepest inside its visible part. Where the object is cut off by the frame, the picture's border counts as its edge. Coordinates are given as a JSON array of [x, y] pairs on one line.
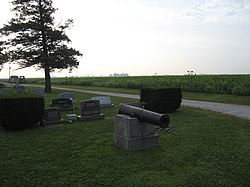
[[106, 106], [134, 144], [53, 122], [92, 117], [130, 127]]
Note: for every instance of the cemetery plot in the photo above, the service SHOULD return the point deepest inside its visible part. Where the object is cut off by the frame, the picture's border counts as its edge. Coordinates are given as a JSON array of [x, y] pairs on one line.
[[105, 101], [90, 110]]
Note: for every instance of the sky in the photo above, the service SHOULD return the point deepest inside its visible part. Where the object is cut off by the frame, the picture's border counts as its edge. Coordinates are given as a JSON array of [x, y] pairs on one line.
[[149, 37]]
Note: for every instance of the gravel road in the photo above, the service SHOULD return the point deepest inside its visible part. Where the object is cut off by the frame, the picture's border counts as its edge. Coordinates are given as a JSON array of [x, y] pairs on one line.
[[241, 111]]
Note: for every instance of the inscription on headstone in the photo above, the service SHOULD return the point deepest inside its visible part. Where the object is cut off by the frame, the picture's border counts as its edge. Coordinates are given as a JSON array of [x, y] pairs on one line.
[[63, 104], [52, 115], [105, 101], [90, 110]]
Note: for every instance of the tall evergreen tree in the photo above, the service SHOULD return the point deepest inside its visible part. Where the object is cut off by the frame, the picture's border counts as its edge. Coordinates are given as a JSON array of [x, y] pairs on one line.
[[34, 40]]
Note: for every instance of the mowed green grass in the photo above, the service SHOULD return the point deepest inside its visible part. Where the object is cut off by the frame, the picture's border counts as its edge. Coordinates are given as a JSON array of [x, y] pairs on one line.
[[206, 149]]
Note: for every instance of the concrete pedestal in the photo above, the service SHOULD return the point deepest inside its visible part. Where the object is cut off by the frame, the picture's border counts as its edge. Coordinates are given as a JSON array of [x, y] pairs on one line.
[[130, 134]]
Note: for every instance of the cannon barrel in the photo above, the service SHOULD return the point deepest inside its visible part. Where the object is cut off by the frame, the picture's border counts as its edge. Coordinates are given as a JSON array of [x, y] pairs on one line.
[[146, 116]]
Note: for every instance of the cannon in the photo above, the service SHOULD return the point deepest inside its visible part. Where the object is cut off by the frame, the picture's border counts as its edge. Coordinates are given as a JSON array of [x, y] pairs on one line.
[[161, 120]]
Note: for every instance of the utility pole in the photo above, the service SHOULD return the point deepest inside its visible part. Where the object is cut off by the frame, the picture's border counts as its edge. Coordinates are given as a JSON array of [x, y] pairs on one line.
[[9, 71]]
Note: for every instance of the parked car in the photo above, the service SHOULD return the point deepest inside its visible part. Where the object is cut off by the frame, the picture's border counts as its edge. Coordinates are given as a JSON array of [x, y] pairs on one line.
[[13, 79]]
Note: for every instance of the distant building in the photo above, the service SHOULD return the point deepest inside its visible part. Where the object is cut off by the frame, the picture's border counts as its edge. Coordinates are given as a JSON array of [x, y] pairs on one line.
[[119, 75]]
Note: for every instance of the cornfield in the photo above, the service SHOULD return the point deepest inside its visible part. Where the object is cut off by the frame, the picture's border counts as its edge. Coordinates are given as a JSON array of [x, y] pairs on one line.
[[216, 84]]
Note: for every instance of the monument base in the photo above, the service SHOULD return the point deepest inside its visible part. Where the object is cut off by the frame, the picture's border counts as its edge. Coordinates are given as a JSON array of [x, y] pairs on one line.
[[92, 117], [134, 144], [131, 134]]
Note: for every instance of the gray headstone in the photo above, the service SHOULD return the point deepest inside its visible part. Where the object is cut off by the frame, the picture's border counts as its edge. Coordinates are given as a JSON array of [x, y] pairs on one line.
[[3, 91], [52, 115], [67, 96], [38, 92], [19, 89], [105, 101]]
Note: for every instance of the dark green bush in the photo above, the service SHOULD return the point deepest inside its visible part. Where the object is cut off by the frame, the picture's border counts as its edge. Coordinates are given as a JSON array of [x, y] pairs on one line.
[[161, 100], [18, 112]]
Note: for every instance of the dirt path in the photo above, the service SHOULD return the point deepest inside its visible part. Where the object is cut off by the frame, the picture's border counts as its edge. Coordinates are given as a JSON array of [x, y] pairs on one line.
[[231, 109]]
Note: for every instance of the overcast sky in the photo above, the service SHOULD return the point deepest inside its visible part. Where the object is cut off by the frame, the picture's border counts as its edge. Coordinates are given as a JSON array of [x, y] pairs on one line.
[[145, 37]]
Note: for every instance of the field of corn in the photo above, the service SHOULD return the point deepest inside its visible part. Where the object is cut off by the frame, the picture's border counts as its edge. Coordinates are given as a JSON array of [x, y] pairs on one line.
[[216, 84]]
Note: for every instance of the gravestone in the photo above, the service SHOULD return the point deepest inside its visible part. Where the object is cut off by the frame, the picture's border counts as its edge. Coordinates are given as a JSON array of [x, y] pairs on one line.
[[105, 101], [131, 134], [3, 92], [38, 92], [90, 110], [63, 104], [19, 88], [52, 115], [67, 96]]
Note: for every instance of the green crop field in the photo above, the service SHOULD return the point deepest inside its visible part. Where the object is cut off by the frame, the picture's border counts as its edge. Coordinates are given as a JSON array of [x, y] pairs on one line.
[[215, 84]]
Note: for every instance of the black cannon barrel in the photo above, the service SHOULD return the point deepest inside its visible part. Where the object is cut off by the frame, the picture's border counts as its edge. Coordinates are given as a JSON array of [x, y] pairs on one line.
[[147, 116]]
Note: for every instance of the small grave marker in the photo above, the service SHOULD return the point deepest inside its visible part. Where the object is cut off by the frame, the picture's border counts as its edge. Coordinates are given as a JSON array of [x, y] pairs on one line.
[[39, 92], [3, 92], [52, 115], [105, 101], [63, 104], [19, 88], [90, 110], [67, 96]]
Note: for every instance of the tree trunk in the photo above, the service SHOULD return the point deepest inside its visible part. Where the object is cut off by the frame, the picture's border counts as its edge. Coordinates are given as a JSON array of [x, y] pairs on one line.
[[47, 88]]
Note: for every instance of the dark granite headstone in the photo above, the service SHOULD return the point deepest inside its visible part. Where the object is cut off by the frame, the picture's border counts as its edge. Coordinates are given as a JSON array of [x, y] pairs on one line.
[[90, 110], [63, 104]]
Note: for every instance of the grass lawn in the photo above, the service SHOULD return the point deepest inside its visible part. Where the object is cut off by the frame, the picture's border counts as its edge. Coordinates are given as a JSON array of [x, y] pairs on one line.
[[206, 149]]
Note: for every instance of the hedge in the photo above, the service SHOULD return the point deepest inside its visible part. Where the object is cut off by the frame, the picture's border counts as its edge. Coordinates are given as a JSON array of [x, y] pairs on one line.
[[161, 100], [18, 112]]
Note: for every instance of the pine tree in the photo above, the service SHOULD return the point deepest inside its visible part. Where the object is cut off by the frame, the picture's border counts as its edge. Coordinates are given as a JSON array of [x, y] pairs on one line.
[[34, 40]]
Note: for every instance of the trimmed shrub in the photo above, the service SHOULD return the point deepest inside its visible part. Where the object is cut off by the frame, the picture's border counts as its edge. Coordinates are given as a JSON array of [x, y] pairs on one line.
[[161, 100], [18, 112]]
